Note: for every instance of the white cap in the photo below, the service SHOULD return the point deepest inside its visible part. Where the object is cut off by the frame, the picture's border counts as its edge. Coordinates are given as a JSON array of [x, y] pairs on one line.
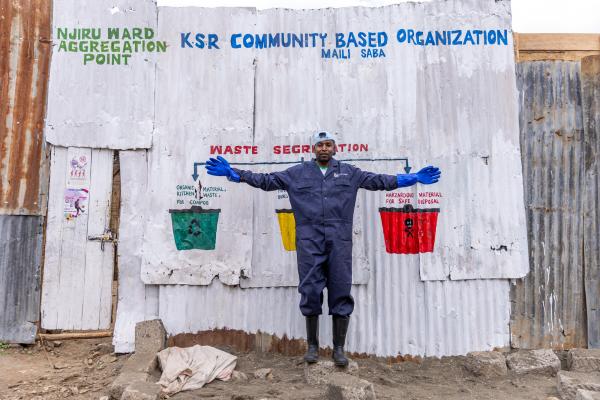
[[321, 137]]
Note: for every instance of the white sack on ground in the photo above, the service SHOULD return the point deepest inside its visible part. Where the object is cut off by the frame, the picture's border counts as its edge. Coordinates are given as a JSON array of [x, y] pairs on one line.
[[192, 367]]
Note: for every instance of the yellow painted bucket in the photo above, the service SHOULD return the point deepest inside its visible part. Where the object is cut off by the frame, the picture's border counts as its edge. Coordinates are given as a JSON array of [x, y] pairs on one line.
[[287, 227]]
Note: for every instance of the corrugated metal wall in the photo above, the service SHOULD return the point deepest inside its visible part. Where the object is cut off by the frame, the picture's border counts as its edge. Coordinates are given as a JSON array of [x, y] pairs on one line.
[[590, 82], [548, 304], [20, 259], [396, 313], [432, 318], [108, 105], [24, 62]]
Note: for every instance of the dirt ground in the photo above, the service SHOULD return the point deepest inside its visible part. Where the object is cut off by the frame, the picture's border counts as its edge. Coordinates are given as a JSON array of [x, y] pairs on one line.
[[74, 369], [83, 369]]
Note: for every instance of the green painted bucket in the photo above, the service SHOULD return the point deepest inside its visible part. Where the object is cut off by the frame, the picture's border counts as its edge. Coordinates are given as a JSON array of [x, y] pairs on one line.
[[195, 228]]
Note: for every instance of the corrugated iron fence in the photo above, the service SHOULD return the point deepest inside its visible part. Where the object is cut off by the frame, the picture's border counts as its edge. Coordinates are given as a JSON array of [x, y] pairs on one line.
[[24, 60], [556, 305], [560, 172], [590, 83]]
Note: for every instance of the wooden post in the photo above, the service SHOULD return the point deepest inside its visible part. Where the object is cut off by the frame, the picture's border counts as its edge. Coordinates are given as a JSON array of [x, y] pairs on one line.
[[555, 46], [74, 335]]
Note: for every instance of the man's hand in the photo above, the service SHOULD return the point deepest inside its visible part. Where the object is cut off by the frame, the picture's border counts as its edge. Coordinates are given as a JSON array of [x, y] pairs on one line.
[[220, 167], [428, 175]]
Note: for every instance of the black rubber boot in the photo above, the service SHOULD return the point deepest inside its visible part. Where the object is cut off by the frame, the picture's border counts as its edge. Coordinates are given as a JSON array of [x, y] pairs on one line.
[[340, 327], [312, 338]]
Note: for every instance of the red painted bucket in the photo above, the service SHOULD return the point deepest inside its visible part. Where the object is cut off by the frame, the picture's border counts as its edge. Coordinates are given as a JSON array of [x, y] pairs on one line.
[[409, 230]]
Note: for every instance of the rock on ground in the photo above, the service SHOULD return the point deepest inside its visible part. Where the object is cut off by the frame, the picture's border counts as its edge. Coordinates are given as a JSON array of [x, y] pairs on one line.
[[542, 361], [583, 394], [342, 386], [150, 336], [584, 360], [141, 391], [320, 372], [263, 373], [141, 362], [124, 379], [569, 382], [239, 376], [136, 373], [486, 363]]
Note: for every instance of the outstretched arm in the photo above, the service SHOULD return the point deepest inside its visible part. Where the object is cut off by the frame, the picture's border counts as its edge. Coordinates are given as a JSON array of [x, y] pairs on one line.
[[371, 181], [268, 182]]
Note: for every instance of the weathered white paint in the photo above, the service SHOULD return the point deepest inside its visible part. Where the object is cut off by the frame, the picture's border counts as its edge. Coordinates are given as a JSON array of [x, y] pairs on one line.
[[101, 106], [136, 301], [451, 106], [77, 281], [192, 112], [396, 313]]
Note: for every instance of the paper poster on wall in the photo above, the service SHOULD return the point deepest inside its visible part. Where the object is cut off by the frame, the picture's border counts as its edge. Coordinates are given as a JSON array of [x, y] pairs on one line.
[[76, 203], [78, 171]]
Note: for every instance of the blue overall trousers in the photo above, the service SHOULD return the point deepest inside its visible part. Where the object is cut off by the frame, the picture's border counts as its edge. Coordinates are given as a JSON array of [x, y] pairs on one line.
[[323, 207]]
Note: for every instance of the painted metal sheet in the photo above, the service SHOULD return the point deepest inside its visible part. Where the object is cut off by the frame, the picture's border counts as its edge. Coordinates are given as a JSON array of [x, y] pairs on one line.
[[273, 77], [78, 265], [136, 301], [193, 113], [24, 64], [101, 91], [396, 312], [20, 263], [549, 303], [590, 82]]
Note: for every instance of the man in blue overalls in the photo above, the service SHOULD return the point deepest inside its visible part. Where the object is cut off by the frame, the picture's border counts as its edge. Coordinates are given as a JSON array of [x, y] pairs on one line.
[[322, 193]]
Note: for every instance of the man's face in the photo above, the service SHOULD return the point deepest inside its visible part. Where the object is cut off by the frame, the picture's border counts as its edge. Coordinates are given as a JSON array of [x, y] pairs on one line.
[[324, 150]]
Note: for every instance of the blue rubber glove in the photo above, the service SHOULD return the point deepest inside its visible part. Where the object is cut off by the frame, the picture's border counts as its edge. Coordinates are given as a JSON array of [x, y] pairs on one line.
[[405, 180], [427, 176], [220, 167]]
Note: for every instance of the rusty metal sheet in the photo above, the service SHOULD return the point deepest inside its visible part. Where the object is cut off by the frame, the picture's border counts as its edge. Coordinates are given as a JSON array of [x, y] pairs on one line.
[[24, 64], [548, 304], [20, 260], [590, 82]]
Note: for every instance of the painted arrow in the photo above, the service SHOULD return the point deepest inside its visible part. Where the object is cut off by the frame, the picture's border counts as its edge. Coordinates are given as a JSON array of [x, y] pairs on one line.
[[407, 167], [195, 174], [197, 164]]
